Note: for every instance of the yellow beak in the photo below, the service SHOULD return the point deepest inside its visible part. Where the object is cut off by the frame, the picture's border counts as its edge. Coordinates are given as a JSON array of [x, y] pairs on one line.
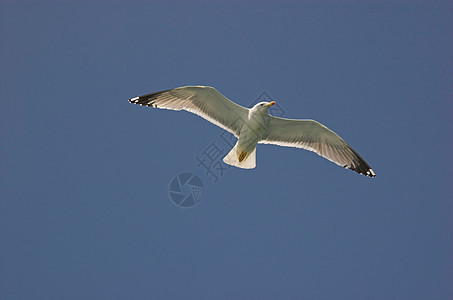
[[270, 104]]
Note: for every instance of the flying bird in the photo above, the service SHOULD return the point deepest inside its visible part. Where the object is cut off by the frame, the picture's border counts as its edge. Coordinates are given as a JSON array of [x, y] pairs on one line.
[[254, 125]]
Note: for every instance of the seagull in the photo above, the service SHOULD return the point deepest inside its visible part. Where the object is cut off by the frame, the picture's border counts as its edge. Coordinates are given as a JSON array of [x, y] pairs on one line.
[[252, 126]]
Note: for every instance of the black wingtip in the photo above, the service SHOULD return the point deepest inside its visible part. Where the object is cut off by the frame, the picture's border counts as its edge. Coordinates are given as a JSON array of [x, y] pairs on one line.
[[360, 165], [147, 100], [367, 171], [134, 100]]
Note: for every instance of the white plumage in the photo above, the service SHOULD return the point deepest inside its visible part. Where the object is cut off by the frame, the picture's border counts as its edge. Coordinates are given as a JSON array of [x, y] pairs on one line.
[[255, 125]]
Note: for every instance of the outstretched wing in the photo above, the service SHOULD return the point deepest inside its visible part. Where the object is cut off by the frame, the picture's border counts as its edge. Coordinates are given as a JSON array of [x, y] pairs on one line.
[[204, 101], [313, 136]]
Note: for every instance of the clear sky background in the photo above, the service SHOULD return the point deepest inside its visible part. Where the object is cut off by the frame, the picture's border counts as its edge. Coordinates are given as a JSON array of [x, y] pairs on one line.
[[85, 211]]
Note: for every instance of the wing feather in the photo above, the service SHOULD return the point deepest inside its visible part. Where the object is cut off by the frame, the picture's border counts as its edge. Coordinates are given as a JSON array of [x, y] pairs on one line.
[[313, 136], [204, 101]]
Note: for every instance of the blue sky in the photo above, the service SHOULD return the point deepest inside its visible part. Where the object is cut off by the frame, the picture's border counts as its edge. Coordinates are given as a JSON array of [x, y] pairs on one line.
[[85, 211]]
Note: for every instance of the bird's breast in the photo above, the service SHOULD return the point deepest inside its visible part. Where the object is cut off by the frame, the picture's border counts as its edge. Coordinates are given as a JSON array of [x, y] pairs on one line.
[[252, 131]]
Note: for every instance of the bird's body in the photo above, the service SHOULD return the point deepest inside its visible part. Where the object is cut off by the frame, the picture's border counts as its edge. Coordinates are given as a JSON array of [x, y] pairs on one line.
[[255, 125], [254, 129]]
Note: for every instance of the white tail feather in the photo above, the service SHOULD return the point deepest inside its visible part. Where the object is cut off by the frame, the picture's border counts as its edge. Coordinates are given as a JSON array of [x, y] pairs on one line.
[[232, 158]]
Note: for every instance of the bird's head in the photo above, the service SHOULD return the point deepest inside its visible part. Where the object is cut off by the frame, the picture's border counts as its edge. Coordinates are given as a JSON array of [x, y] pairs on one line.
[[263, 106]]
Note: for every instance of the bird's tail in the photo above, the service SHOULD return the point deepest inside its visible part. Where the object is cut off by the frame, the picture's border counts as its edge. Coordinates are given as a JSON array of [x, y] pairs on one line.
[[238, 158]]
